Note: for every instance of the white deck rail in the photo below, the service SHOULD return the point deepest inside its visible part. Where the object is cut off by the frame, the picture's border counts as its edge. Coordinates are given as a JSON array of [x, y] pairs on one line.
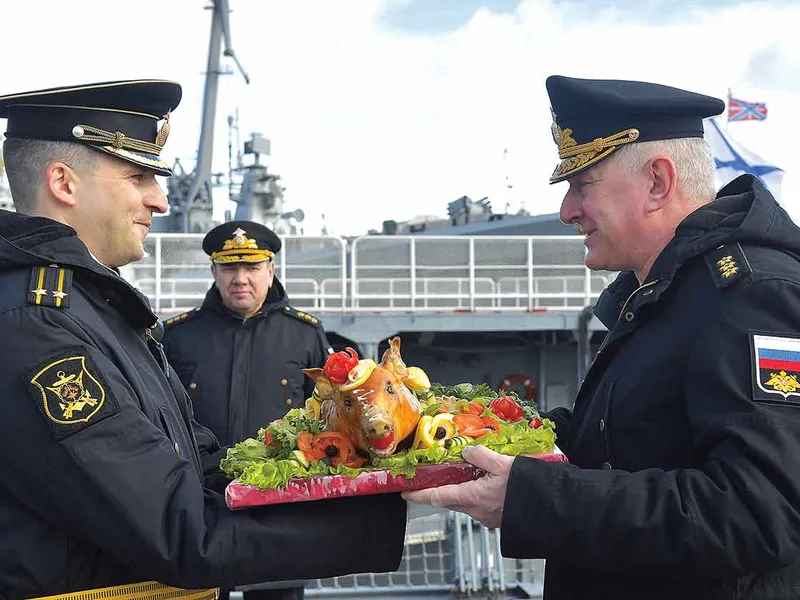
[[391, 274]]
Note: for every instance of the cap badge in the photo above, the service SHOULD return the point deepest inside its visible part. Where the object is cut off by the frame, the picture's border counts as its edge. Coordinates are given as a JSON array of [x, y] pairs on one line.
[[163, 133]]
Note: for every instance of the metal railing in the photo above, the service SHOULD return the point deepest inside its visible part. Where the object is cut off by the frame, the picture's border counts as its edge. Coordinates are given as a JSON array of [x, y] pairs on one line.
[[390, 273], [447, 555]]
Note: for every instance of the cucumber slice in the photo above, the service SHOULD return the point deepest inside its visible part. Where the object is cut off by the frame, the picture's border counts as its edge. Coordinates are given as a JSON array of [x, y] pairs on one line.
[[298, 456]]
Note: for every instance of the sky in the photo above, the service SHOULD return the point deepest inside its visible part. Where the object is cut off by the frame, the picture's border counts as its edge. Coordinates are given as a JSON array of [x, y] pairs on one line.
[[389, 109]]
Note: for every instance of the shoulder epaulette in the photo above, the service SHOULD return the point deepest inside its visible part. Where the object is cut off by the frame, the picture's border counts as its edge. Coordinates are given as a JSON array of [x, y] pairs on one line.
[[728, 264], [302, 316], [50, 286], [182, 317]]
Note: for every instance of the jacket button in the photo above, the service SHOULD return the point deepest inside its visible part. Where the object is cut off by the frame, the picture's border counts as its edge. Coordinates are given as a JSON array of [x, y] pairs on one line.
[[629, 316], [607, 466], [192, 385], [284, 382], [177, 449], [288, 402], [602, 425]]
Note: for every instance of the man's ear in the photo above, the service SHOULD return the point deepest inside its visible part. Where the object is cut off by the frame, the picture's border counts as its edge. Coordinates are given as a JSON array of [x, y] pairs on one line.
[[663, 180], [61, 182]]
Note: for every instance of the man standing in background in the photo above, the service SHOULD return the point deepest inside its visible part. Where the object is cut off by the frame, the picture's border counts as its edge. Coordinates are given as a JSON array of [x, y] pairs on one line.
[[241, 353]]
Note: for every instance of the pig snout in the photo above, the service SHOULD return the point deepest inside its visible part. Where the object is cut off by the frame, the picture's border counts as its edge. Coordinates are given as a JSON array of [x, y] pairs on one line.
[[377, 427]]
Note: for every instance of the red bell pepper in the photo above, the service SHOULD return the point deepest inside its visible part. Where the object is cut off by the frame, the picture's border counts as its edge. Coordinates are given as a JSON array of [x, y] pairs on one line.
[[507, 409], [339, 364]]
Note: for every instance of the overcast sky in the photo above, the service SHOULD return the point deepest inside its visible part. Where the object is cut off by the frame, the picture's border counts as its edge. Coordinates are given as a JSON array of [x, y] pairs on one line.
[[383, 109]]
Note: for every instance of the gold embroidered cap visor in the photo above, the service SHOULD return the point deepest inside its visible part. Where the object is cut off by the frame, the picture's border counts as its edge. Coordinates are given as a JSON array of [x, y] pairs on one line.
[[126, 119], [592, 118], [241, 241]]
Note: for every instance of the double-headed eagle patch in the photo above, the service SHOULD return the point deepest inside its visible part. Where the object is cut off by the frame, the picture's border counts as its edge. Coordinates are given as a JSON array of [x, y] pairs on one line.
[[776, 364]]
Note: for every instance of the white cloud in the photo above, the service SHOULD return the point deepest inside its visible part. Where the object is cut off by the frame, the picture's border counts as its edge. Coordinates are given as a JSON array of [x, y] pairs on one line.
[[369, 123]]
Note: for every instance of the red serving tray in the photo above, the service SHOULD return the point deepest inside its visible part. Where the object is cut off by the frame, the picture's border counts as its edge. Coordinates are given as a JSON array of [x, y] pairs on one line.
[[322, 487]]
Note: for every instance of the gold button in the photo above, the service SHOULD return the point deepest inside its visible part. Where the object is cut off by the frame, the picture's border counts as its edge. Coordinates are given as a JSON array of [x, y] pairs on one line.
[[288, 402], [607, 466], [192, 385], [284, 382], [602, 425]]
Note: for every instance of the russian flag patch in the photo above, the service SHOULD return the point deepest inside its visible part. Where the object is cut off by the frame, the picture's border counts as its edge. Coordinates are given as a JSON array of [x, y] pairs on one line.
[[777, 364]]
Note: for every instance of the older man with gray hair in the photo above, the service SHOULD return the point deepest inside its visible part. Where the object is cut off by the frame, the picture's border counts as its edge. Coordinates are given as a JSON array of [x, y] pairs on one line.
[[684, 439]]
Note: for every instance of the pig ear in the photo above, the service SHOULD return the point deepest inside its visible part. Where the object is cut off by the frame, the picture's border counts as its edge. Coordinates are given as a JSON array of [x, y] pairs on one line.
[[392, 359], [324, 385]]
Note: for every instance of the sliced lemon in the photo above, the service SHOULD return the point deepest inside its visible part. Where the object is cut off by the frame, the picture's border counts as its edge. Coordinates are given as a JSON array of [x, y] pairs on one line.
[[358, 374], [423, 437], [417, 380], [312, 408], [442, 428]]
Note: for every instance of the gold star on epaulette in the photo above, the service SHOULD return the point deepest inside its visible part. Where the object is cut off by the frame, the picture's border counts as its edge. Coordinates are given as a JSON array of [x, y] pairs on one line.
[[727, 266], [179, 318], [50, 286], [307, 317], [303, 316]]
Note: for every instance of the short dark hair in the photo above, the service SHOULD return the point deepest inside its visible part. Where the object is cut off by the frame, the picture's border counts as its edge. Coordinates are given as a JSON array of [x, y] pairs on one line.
[[26, 161]]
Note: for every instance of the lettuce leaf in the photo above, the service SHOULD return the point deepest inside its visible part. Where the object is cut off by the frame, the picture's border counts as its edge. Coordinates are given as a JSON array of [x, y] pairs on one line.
[[242, 455]]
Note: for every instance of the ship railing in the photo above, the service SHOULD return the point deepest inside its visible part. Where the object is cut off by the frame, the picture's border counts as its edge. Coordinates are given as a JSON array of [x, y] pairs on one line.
[[446, 555], [391, 273]]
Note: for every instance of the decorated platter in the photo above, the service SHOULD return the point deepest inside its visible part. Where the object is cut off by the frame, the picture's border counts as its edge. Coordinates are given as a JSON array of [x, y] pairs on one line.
[[373, 428]]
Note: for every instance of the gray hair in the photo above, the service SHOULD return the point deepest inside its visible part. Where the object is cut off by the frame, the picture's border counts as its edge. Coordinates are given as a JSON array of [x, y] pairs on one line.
[[693, 162], [27, 160]]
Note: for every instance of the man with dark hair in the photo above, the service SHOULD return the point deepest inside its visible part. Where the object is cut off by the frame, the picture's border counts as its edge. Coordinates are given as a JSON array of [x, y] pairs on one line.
[[684, 439], [104, 472], [242, 353]]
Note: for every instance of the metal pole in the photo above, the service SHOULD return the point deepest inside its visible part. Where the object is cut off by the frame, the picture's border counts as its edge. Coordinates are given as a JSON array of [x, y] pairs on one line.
[[202, 170], [472, 274], [158, 265], [412, 252]]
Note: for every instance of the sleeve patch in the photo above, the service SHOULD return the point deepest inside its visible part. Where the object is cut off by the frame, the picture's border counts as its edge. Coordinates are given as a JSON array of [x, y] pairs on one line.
[[776, 367], [70, 393]]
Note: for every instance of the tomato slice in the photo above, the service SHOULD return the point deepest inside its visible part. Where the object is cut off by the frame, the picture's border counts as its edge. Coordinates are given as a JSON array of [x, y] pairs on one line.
[[466, 421]]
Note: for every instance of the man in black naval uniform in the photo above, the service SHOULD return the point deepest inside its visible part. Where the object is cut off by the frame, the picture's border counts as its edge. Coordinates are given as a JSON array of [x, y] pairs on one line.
[[102, 488], [684, 439], [241, 353]]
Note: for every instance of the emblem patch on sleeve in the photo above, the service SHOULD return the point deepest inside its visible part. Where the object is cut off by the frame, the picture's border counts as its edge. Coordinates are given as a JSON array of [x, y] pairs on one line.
[[776, 364], [70, 393]]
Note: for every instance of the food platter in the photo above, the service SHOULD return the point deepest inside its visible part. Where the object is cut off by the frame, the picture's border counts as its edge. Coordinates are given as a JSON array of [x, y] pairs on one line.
[[376, 428], [323, 487]]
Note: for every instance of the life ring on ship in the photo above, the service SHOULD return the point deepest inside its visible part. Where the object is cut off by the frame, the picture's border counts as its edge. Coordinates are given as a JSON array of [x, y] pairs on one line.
[[524, 380]]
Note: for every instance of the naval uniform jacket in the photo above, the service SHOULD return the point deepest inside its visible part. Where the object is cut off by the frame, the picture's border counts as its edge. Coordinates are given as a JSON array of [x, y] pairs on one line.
[[243, 373], [101, 481], [684, 440]]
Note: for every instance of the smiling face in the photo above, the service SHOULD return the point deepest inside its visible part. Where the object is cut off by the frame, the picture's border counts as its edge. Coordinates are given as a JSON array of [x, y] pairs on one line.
[[607, 205], [115, 205], [244, 285]]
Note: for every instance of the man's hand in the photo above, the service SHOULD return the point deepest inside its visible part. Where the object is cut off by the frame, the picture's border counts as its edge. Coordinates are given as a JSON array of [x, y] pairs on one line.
[[481, 499]]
